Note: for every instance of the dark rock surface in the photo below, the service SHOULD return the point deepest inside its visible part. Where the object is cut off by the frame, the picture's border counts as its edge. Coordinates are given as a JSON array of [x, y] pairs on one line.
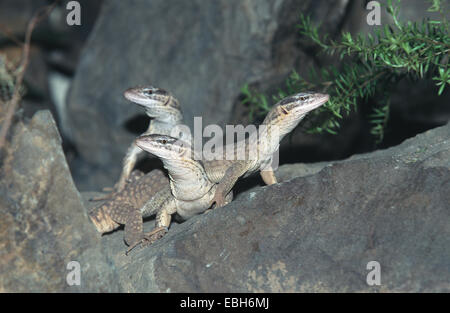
[[314, 232], [202, 51], [43, 224]]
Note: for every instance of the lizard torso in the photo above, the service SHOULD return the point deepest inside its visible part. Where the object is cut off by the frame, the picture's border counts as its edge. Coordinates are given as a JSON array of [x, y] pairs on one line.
[[123, 205], [187, 192], [190, 187]]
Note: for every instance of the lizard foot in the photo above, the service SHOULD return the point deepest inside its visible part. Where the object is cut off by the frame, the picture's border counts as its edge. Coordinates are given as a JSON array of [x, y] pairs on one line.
[[154, 235], [218, 200], [149, 238], [101, 198]]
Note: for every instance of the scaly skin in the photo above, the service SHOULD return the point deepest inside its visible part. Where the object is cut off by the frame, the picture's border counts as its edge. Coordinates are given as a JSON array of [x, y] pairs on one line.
[[282, 118], [191, 190], [188, 193], [192, 187], [163, 108], [125, 206]]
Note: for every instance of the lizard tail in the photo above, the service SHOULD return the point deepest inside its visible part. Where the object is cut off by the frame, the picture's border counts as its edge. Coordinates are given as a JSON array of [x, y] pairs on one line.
[[102, 220]]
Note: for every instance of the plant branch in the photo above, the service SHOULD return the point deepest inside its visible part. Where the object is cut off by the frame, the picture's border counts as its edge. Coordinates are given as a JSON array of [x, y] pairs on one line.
[[20, 71]]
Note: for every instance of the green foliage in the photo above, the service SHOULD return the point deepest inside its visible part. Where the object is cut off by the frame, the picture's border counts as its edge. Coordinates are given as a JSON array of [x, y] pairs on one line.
[[6, 80], [371, 67]]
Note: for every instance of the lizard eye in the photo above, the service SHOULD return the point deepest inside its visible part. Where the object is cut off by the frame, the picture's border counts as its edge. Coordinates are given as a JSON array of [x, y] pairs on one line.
[[164, 141]]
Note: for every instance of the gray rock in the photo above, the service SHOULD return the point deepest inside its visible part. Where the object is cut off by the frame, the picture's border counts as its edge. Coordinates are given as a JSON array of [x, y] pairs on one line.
[[43, 223], [316, 232], [203, 52]]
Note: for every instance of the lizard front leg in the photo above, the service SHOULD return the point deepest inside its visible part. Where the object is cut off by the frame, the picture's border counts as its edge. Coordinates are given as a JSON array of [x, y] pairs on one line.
[[164, 204], [131, 217], [163, 218], [168, 206], [268, 176], [225, 185], [128, 164], [228, 199], [133, 227]]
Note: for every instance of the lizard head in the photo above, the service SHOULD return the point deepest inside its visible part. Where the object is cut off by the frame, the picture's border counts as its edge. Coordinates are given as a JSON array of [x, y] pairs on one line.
[[157, 102], [288, 112], [163, 146]]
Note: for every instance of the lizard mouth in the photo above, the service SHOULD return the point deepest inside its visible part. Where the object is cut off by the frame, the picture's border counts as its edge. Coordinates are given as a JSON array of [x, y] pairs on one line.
[[136, 96], [162, 148], [321, 100], [145, 144]]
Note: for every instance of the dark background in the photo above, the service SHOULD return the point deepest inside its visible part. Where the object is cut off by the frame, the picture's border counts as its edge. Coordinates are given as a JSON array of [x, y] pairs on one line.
[[203, 52], [315, 231]]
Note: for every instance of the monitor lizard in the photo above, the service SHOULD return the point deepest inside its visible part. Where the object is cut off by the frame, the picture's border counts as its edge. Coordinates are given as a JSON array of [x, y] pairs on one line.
[[165, 111], [285, 115], [123, 207], [281, 120], [190, 190], [187, 192]]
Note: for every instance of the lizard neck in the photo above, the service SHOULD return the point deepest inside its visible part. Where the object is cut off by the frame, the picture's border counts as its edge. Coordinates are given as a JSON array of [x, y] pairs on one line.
[[169, 116], [271, 133], [188, 178]]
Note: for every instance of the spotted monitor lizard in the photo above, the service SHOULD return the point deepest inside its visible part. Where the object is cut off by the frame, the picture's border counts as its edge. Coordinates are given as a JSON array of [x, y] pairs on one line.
[[281, 120], [188, 192], [165, 112], [283, 117]]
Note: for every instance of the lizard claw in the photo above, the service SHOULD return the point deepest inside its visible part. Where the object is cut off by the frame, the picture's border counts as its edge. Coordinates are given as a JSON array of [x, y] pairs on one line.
[[149, 238], [218, 200], [154, 235], [134, 245]]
